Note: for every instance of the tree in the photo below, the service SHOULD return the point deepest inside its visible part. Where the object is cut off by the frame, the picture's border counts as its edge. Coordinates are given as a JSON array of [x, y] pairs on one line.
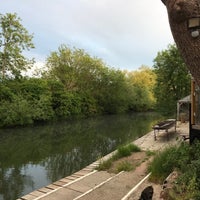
[[141, 84], [76, 69], [184, 22], [113, 95], [14, 39], [173, 79], [100, 88]]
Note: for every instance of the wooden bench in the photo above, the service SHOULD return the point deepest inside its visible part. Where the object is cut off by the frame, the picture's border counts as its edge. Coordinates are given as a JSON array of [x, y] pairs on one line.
[[164, 125]]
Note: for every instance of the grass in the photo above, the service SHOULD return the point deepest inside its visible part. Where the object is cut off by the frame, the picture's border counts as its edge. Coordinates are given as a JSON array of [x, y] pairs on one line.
[[122, 151], [127, 150], [186, 160], [163, 164], [124, 166], [150, 153]]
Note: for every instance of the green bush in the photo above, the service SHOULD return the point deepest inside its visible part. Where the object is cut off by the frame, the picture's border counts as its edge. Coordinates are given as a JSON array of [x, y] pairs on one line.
[[42, 109], [166, 161], [127, 150], [5, 93], [185, 159], [15, 113]]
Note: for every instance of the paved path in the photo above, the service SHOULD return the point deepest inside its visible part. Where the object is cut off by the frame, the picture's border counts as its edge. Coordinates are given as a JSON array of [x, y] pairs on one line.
[[89, 184]]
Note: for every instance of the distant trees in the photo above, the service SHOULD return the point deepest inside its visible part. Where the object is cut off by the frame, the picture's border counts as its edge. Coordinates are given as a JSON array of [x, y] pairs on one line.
[[173, 79], [76, 84], [14, 38], [100, 89], [142, 83]]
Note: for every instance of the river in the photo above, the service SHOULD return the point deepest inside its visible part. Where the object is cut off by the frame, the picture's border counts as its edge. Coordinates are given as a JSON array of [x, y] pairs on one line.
[[35, 156]]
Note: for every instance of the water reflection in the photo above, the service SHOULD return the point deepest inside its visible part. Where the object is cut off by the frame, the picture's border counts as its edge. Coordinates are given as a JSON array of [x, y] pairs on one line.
[[33, 157]]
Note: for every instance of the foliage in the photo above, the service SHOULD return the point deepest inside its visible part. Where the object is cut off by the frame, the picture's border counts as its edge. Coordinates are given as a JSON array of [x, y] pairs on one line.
[[15, 112], [114, 94], [173, 79], [122, 151], [104, 165], [14, 39], [126, 150], [74, 68], [100, 89], [25, 101], [163, 163], [141, 84], [124, 166], [184, 159], [150, 153], [75, 84]]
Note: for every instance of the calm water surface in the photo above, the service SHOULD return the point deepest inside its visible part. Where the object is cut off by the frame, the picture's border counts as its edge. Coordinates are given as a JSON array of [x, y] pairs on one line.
[[36, 156]]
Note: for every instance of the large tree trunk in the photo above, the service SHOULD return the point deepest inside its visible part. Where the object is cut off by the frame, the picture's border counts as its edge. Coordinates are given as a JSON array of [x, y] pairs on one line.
[[179, 13]]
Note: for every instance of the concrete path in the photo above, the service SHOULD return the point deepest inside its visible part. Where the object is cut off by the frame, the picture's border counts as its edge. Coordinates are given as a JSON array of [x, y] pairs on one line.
[[89, 184]]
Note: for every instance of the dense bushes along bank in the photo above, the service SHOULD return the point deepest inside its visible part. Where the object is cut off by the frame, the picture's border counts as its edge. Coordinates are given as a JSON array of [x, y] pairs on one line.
[[76, 84], [30, 100]]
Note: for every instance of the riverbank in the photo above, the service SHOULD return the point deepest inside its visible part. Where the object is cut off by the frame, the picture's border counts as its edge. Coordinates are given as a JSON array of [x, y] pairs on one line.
[[89, 183]]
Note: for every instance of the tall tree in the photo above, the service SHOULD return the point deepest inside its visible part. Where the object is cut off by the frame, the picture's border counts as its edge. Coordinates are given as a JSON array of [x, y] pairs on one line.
[[173, 79], [185, 26], [14, 39], [75, 68]]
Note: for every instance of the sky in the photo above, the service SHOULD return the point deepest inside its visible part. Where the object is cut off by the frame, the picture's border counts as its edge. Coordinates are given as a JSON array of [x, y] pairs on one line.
[[125, 34]]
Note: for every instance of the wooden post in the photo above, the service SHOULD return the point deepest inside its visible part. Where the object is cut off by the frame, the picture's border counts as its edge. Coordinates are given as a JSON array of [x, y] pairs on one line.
[[193, 102]]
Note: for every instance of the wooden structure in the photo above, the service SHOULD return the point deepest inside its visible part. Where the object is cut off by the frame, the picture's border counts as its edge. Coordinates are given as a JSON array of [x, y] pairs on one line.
[[194, 129], [164, 125], [183, 109]]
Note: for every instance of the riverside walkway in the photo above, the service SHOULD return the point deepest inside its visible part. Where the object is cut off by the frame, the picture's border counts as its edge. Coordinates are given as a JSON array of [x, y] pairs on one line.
[[90, 184]]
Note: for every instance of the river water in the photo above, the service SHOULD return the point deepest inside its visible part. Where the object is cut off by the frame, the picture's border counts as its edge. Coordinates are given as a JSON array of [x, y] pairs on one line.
[[35, 156]]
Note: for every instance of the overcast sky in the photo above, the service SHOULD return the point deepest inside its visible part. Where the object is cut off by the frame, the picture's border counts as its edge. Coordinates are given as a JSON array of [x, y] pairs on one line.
[[125, 34]]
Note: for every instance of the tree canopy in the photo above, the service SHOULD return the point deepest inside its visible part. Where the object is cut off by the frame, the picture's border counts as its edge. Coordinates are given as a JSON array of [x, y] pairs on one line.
[[142, 83], [75, 84], [173, 79], [14, 39]]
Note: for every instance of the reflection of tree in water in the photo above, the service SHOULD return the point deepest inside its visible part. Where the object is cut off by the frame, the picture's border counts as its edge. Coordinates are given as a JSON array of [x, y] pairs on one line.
[[61, 165], [61, 148], [90, 142], [13, 183]]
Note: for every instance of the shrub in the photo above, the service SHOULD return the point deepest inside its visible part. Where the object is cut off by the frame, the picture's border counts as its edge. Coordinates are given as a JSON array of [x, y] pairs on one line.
[[185, 159], [124, 166], [105, 165], [127, 150], [15, 113]]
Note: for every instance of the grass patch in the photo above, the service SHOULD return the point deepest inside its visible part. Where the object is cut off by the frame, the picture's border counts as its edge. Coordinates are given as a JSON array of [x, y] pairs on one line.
[[104, 165], [163, 164], [124, 166], [122, 151], [126, 150], [150, 153]]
